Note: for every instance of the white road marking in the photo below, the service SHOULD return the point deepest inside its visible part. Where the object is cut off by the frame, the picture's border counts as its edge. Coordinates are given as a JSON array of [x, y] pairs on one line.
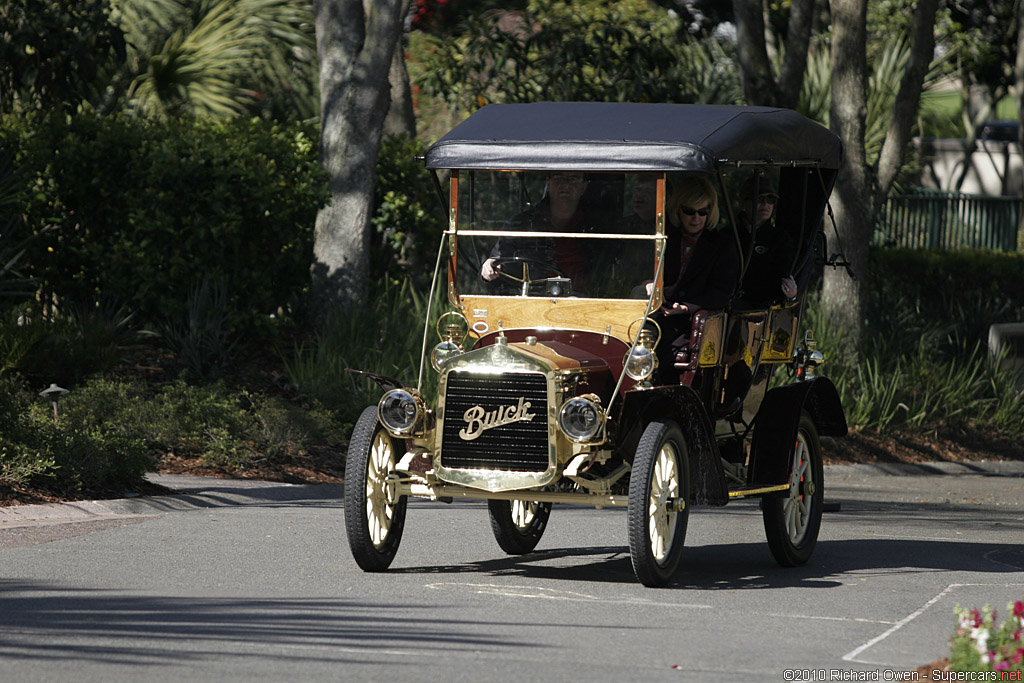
[[539, 592], [851, 656]]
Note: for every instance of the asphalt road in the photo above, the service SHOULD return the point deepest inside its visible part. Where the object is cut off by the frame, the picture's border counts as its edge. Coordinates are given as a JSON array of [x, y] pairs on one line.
[[240, 581]]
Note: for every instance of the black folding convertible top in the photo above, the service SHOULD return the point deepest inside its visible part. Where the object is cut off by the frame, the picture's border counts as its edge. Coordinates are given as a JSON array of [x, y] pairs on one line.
[[623, 136]]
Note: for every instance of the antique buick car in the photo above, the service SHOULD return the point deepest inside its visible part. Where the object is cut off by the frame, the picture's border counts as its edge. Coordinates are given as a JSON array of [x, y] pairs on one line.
[[549, 389]]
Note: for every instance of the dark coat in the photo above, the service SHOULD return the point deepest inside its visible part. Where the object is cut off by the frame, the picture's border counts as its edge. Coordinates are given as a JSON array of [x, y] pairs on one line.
[[711, 276], [771, 259]]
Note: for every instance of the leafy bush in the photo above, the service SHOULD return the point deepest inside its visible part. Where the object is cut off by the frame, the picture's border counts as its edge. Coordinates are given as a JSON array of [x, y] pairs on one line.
[[146, 208], [69, 345], [924, 362], [203, 343], [384, 338], [966, 289], [65, 454], [221, 427], [979, 645], [408, 219]]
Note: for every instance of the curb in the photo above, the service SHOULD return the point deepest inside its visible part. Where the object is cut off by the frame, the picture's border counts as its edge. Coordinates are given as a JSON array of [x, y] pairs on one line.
[[993, 468], [191, 493], [196, 493]]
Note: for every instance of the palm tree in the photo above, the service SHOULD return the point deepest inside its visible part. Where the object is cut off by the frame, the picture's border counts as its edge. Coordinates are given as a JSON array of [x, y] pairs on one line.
[[886, 69], [215, 57]]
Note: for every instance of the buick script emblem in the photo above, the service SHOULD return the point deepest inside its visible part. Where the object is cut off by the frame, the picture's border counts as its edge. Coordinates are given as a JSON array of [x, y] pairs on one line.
[[479, 421]]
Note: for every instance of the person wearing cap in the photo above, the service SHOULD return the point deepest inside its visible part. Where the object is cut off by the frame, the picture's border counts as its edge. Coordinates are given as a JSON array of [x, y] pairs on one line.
[[768, 278]]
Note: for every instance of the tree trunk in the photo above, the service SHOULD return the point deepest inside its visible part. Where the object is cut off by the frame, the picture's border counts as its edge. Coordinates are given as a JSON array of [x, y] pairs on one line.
[[860, 190], [354, 46], [400, 120], [851, 201], [794, 63], [755, 69], [908, 99], [1018, 73], [759, 84]]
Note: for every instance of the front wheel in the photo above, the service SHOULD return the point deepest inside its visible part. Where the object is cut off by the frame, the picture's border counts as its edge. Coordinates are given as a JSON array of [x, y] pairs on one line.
[[659, 490], [518, 524], [374, 517], [792, 520]]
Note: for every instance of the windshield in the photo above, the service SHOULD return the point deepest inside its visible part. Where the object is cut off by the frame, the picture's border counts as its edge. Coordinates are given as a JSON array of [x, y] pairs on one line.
[[602, 228]]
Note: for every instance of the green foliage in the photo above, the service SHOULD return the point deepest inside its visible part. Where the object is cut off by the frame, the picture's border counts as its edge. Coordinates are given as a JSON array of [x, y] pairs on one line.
[[70, 344], [216, 57], [54, 53], [984, 34], [222, 427], [408, 220], [14, 238], [384, 338], [924, 362], [589, 52], [66, 454], [887, 63], [203, 343], [144, 209]]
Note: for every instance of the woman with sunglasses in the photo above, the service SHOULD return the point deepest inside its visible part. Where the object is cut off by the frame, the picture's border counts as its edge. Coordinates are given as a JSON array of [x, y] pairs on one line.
[[701, 269], [771, 254]]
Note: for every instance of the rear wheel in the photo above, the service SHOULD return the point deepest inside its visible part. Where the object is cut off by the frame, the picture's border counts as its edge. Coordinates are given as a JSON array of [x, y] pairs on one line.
[[374, 517], [792, 520], [659, 487], [518, 525]]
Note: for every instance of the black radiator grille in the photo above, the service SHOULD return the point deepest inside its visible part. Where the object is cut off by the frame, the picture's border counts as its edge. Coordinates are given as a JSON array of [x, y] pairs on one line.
[[521, 446]]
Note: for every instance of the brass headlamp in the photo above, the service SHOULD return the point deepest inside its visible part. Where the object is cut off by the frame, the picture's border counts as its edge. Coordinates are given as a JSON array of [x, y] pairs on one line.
[[451, 340], [641, 361]]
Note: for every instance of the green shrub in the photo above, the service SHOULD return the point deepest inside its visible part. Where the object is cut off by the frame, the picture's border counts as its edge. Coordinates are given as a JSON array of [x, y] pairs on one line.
[[64, 453], [384, 338], [144, 209], [69, 345], [965, 289], [924, 361], [221, 427], [203, 343], [408, 218]]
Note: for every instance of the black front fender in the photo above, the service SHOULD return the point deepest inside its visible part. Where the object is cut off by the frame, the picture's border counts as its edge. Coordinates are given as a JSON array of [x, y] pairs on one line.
[[681, 405]]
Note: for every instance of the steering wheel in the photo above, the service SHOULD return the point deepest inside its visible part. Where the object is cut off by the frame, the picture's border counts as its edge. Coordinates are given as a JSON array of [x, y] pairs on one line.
[[548, 268]]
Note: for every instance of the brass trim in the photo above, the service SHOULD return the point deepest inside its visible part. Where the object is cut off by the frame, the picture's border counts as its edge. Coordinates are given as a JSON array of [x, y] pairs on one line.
[[501, 359], [758, 491], [423, 489]]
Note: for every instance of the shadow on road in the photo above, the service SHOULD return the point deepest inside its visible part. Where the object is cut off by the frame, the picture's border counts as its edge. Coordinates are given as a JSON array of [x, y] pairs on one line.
[[39, 621], [744, 566]]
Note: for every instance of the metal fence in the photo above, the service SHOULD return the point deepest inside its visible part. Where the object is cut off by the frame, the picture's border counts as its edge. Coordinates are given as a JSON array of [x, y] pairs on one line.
[[930, 219]]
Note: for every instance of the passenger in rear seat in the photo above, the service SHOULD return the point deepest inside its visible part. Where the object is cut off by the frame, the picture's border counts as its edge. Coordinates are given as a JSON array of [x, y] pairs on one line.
[[702, 267]]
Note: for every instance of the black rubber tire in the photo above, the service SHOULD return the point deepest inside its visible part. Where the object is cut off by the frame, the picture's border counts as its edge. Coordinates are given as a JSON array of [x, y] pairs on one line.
[[373, 522], [792, 520], [513, 538], [661, 470]]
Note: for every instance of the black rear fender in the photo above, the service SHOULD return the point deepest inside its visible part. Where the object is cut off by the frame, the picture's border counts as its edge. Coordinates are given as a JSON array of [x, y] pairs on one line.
[[778, 421]]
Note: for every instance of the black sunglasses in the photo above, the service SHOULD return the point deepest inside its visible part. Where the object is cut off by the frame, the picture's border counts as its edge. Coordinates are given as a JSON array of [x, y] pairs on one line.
[[695, 212], [767, 199]]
